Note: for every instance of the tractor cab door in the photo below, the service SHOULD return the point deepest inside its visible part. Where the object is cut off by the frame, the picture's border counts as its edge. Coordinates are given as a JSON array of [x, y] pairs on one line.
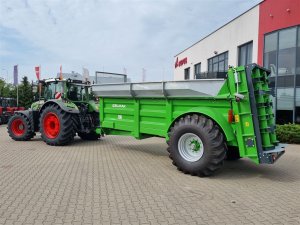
[[78, 93], [54, 90]]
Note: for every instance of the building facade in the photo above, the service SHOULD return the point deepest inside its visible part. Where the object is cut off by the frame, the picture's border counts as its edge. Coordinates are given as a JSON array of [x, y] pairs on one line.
[[267, 34]]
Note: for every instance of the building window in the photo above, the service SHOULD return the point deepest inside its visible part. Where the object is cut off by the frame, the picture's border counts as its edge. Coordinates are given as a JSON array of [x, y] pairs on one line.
[[218, 63], [197, 69], [187, 73], [270, 54], [245, 54], [281, 56], [287, 52]]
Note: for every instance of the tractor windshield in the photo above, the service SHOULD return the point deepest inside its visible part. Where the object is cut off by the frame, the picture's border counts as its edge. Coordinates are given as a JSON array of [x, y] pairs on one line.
[[54, 88], [78, 92]]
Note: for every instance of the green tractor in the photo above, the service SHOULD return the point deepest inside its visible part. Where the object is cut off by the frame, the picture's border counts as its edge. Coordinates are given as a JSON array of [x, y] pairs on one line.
[[67, 108]]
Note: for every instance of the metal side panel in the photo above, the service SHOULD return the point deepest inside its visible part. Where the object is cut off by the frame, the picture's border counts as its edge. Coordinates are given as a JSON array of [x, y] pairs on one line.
[[172, 89]]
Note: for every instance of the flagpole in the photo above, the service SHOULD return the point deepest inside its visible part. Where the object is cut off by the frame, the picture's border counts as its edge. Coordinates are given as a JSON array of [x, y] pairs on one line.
[[17, 85], [40, 85], [17, 95]]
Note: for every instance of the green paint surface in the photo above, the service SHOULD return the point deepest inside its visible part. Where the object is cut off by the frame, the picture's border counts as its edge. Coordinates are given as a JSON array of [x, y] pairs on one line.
[[146, 117]]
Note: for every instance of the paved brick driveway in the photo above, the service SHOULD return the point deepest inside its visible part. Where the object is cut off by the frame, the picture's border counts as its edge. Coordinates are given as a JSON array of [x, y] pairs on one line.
[[120, 180]]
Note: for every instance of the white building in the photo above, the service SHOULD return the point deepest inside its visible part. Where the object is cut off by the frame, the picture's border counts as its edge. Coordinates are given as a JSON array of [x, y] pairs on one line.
[[267, 34], [218, 50]]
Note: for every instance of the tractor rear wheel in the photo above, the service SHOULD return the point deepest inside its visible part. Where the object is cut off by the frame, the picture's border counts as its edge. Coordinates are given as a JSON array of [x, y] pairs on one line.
[[20, 128], [56, 126], [89, 136], [197, 145]]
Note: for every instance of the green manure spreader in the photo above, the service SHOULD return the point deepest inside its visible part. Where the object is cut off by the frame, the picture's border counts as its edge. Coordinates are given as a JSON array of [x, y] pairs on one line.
[[203, 121]]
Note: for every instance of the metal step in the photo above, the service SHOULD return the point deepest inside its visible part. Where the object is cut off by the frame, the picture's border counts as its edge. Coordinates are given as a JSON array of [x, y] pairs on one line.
[[279, 148]]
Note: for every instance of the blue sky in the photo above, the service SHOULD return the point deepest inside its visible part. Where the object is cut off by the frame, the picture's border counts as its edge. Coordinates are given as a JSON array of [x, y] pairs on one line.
[[106, 35]]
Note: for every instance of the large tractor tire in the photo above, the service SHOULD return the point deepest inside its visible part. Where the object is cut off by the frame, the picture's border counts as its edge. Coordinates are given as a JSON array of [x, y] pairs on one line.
[[20, 128], [197, 145], [56, 126], [89, 136]]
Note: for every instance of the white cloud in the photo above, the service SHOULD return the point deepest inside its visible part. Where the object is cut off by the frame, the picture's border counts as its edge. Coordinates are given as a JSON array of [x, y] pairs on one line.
[[113, 34]]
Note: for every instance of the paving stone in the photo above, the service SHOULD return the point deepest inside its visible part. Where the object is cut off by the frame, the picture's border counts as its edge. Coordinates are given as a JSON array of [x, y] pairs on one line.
[[120, 180]]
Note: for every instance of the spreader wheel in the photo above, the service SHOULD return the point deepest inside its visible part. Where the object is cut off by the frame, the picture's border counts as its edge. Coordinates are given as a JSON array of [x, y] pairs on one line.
[[197, 145]]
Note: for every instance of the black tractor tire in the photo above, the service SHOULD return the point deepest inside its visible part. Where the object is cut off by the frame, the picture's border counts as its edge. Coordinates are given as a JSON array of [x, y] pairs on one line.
[[196, 130], [20, 128], [232, 153], [56, 126], [92, 136]]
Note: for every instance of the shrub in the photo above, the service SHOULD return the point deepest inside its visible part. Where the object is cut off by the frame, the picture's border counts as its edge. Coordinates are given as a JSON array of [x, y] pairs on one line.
[[288, 133]]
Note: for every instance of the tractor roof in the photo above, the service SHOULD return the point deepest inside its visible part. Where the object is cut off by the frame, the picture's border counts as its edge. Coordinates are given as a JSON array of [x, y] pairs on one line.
[[78, 82]]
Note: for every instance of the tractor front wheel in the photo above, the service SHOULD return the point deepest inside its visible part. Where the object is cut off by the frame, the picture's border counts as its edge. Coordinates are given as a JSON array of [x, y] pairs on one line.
[[197, 145], [19, 128], [56, 126]]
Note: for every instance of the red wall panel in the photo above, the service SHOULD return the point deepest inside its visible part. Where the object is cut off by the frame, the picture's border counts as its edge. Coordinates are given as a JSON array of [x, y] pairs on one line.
[[275, 15]]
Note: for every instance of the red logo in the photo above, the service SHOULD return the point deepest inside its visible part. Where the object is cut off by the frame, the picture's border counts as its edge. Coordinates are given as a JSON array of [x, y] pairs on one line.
[[181, 62]]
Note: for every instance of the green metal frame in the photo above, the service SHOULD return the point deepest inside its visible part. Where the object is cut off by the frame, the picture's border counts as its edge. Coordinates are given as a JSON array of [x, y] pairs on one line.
[[245, 92]]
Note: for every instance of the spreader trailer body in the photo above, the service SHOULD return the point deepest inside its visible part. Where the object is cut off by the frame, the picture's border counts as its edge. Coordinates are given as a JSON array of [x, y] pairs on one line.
[[203, 121]]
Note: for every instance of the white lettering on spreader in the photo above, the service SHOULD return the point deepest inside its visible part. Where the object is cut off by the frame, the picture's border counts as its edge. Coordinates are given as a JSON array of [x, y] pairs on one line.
[[118, 106]]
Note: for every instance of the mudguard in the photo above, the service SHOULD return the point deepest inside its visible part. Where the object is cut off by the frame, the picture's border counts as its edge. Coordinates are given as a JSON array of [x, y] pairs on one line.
[[210, 113], [66, 106]]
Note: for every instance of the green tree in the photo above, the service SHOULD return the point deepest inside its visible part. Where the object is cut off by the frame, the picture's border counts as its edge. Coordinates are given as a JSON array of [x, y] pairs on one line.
[[6, 90], [2, 85], [25, 93]]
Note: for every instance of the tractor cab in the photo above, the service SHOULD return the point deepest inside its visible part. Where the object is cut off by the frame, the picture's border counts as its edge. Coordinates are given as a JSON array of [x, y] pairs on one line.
[[7, 108], [70, 90]]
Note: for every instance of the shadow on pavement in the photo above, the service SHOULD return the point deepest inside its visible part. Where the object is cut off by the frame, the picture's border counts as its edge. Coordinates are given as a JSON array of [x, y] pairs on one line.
[[245, 169]]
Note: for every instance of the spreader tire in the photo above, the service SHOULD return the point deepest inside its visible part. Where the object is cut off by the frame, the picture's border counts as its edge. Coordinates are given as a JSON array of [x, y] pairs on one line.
[[20, 128], [56, 126], [197, 145], [89, 136]]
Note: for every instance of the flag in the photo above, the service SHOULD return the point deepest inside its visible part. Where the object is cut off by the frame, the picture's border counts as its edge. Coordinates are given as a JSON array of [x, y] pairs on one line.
[[37, 72], [60, 73], [16, 75], [85, 74]]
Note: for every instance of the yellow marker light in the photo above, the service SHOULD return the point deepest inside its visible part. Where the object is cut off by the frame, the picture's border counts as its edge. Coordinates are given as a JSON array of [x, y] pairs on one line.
[[237, 118]]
